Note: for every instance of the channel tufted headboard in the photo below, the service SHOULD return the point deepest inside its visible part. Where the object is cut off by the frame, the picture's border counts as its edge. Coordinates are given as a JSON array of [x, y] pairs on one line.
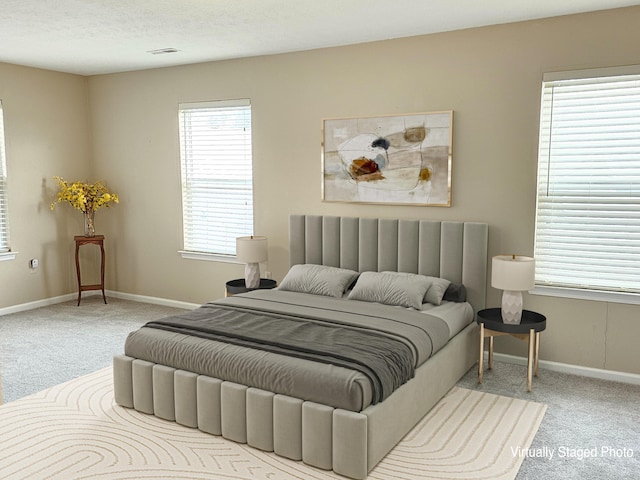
[[456, 251]]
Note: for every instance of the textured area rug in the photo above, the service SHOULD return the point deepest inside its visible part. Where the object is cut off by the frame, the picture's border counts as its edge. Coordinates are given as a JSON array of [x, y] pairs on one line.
[[75, 431]]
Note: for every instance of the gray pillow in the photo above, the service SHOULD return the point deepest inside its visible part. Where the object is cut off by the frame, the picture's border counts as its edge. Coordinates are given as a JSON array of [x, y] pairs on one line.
[[318, 280], [436, 290], [391, 288], [455, 293]]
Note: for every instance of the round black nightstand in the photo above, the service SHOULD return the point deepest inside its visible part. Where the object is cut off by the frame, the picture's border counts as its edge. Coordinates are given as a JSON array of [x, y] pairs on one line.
[[529, 328], [233, 287]]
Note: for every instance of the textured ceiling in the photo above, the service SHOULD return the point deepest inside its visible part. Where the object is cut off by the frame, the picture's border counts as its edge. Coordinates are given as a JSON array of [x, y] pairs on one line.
[[89, 37]]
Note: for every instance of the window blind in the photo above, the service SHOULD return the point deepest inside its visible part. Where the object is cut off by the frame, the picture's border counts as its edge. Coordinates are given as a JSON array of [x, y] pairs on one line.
[[588, 209], [217, 183], [4, 214]]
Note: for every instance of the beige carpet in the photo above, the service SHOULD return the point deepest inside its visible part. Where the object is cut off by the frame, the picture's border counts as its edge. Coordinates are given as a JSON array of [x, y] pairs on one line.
[[75, 431]]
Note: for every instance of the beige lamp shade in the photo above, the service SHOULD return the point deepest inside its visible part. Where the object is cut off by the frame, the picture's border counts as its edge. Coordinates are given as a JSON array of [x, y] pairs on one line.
[[513, 272], [251, 249]]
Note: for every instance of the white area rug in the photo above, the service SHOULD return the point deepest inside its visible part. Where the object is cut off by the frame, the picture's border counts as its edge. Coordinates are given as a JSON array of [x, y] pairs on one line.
[[75, 431]]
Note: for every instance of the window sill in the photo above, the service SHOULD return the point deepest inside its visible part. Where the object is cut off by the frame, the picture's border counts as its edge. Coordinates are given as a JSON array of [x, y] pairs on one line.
[[8, 256], [584, 294], [209, 257]]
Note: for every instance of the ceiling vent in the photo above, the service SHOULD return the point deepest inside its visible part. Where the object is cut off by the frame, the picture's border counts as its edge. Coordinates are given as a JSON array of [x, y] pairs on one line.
[[163, 51]]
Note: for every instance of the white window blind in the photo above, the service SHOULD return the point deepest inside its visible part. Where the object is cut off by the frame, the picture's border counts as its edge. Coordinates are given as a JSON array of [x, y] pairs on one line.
[[4, 214], [588, 210], [217, 185]]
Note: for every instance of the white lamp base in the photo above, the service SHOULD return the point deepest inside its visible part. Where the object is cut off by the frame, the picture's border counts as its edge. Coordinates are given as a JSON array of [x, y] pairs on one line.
[[511, 307], [252, 275]]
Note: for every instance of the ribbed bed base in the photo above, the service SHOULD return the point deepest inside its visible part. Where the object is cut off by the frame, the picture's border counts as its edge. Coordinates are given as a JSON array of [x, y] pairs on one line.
[[350, 443]]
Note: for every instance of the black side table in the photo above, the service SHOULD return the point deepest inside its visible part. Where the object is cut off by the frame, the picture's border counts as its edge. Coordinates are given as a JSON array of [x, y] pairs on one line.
[[529, 328], [238, 286]]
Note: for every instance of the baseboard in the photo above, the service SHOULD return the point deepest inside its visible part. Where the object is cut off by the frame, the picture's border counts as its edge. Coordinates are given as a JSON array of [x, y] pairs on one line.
[[623, 377], [109, 293], [165, 302], [37, 304]]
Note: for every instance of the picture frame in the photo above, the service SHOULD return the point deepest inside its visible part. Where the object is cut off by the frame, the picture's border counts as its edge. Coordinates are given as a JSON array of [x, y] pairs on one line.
[[388, 159]]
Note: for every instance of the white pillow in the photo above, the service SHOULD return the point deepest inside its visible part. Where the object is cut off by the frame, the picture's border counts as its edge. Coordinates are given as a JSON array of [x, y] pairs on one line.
[[318, 280], [391, 288], [437, 290]]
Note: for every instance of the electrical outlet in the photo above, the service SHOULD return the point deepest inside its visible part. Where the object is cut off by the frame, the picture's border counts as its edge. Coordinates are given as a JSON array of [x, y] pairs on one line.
[[267, 275], [33, 263]]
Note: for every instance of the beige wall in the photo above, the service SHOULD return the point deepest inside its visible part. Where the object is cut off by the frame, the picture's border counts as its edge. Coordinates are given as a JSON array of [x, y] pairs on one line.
[[47, 134], [490, 77]]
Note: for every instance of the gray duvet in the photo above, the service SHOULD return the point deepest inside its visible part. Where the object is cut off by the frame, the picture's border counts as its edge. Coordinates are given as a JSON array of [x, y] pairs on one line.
[[344, 353]]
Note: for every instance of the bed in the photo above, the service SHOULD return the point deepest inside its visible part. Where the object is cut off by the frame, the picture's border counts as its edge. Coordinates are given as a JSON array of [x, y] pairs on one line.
[[346, 428]]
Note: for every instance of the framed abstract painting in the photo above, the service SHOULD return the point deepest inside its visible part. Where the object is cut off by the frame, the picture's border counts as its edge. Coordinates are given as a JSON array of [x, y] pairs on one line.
[[390, 159]]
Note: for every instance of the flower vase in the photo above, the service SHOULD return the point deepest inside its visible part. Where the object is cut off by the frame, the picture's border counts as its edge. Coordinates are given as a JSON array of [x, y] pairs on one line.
[[89, 225]]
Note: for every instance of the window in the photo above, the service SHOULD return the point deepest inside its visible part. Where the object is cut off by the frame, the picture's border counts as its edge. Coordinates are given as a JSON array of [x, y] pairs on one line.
[[588, 210], [217, 186], [4, 214]]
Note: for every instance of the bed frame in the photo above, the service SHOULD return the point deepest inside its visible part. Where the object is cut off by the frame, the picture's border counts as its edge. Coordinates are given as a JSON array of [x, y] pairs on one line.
[[350, 443]]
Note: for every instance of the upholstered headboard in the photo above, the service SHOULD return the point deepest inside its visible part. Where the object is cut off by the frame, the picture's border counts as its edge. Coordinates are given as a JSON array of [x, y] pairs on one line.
[[456, 251]]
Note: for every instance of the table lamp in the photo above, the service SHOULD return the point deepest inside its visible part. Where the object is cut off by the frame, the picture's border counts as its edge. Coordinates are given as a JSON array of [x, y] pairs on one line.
[[513, 274], [251, 251]]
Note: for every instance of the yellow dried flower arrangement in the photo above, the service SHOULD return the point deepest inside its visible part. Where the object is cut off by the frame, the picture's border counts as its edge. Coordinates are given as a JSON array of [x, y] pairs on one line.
[[84, 196]]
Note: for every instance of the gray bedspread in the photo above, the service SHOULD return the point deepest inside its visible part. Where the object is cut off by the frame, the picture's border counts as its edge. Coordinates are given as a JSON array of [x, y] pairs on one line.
[[305, 340]]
